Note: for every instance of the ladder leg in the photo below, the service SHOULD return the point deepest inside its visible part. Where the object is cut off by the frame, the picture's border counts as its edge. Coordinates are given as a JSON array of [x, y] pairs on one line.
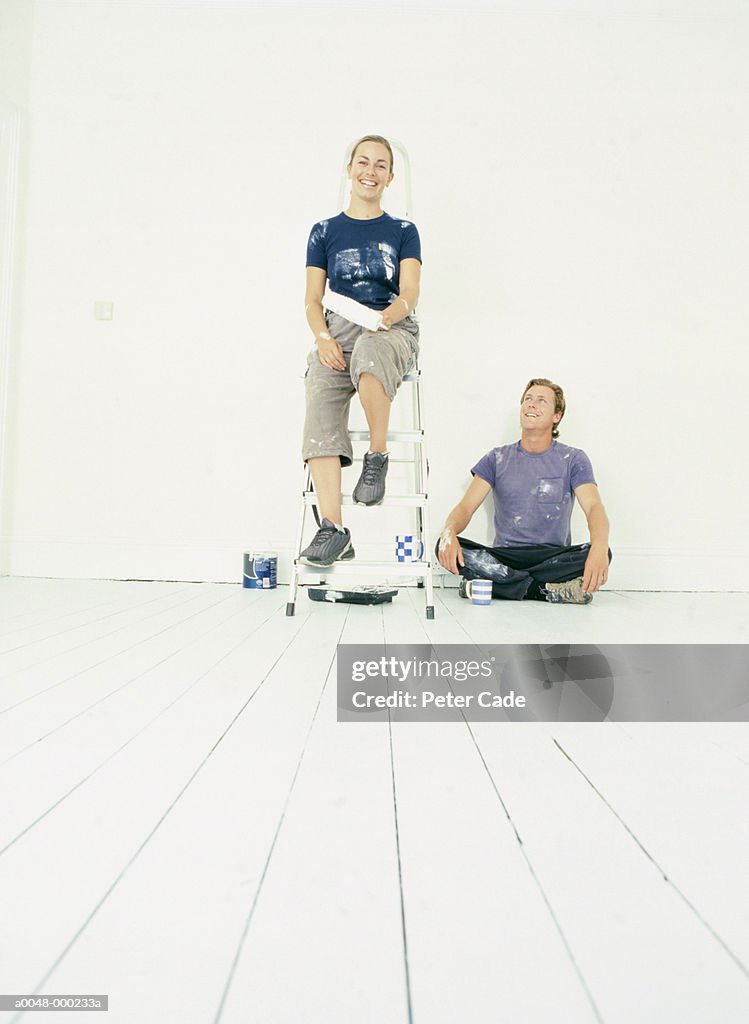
[[298, 548], [423, 481]]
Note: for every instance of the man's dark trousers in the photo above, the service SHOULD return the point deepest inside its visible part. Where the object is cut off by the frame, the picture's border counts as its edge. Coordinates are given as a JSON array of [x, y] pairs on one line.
[[521, 572]]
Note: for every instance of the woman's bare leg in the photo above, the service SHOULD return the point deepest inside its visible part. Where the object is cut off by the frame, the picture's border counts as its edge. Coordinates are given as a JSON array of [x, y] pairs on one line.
[[376, 406], [326, 476]]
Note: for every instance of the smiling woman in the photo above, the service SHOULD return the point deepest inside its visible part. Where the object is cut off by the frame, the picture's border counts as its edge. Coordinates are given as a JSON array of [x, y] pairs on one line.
[[366, 338]]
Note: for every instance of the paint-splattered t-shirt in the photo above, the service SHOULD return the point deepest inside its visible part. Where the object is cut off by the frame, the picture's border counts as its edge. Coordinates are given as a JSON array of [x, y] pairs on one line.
[[362, 257], [534, 492]]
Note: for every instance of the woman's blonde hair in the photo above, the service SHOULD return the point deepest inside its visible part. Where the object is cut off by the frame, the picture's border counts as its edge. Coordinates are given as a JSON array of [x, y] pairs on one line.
[[372, 138]]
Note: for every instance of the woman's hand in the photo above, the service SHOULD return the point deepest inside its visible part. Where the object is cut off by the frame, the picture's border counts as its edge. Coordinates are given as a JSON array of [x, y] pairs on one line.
[[394, 313], [405, 303], [330, 353]]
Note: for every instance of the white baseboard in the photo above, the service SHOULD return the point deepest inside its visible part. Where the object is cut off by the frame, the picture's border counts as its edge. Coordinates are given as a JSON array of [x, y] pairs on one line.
[[203, 562], [677, 569], [632, 568]]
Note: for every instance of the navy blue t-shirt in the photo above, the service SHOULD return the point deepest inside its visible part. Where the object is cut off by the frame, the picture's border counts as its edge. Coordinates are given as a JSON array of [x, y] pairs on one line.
[[362, 257]]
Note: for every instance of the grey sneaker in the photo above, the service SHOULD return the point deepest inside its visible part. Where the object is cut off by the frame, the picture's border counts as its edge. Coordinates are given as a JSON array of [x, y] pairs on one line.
[[328, 545], [462, 592], [569, 592], [370, 490]]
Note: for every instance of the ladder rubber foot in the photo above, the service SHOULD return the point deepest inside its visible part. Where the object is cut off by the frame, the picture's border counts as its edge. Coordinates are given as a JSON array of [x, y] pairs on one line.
[[290, 608], [430, 611], [420, 584]]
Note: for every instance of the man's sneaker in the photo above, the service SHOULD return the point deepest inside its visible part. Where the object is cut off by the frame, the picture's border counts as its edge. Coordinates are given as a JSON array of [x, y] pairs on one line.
[[328, 545], [462, 592], [370, 490], [569, 592]]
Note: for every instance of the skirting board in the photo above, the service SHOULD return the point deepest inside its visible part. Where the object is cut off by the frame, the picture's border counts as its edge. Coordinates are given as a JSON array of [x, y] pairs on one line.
[[658, 569]]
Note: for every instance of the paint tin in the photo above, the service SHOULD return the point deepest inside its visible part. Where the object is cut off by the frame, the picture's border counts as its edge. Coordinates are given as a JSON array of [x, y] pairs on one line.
[[260, 570]]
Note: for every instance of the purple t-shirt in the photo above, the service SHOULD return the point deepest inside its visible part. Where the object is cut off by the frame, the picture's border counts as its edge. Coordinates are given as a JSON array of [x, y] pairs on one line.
[[534, 492]]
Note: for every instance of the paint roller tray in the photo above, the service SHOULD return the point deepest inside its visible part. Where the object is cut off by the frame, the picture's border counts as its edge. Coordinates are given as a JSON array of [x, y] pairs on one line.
[[356, 595]]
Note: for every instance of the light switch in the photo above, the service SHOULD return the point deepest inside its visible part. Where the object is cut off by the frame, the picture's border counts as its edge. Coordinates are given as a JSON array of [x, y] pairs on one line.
[[103, 310]]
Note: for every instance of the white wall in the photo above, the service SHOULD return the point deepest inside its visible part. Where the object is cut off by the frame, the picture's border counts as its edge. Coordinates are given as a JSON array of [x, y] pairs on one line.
[[16, 19], [580, 178]]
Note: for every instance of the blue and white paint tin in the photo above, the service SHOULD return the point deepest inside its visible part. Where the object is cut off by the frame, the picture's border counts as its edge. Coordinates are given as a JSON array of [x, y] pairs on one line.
[[260, 570]]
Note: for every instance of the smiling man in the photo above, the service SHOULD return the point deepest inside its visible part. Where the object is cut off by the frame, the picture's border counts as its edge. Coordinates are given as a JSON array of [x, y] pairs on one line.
[[534, 483]]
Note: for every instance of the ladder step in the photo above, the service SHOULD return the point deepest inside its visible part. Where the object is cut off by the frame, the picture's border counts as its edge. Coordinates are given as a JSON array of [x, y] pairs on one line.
[[391, 500], [360, 567], [403, 462], [410, 436]]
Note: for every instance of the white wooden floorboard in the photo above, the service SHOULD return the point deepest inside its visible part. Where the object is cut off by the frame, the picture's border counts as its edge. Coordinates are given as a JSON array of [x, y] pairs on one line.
[[46, 696], [57, 612], [167, 936], [30, 601], [96, 652], [536, 622], [612, 617], [645, 954], [730, 737], [445, 627], [326, 942], [38, 646], [476, 916], [477, 919], [182, 819], [696, 831], [55, 876], [83, 745]]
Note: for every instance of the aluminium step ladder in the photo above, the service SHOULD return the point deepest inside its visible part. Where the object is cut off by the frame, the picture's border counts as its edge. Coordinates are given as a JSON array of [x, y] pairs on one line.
[[417, 499]]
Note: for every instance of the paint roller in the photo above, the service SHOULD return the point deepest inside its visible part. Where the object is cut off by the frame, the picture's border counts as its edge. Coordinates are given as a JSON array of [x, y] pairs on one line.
[[352, 310]]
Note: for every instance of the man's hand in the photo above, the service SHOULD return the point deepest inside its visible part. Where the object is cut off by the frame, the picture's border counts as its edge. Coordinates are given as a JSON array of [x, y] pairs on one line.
[[596, 569], [330, 353], [450, 552]]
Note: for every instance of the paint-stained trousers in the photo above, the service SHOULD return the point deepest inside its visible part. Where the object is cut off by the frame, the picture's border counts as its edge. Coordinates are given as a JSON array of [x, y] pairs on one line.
[[520, 572], [386, 355]]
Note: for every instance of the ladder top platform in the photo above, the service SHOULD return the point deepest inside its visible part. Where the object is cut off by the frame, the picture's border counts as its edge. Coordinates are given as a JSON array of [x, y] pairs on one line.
[[389, 501]]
